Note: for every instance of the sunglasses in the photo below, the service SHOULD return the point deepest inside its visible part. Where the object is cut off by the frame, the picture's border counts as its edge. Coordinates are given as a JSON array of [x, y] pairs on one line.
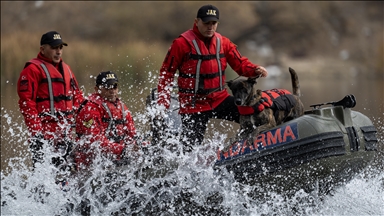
[[106, 86]]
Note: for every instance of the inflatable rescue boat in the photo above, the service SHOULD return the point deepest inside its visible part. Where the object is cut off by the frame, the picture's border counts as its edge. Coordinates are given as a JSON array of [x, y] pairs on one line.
[[327, 145]]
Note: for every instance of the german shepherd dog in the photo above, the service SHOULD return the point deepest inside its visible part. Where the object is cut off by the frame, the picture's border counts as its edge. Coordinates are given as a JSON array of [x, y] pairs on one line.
[[247, 95]]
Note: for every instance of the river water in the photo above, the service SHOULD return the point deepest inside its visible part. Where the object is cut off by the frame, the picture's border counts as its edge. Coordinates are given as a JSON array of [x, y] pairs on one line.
[[192, 187]]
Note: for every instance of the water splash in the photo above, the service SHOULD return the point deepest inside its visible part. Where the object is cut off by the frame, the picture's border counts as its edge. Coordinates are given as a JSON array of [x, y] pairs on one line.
[[165, 182]]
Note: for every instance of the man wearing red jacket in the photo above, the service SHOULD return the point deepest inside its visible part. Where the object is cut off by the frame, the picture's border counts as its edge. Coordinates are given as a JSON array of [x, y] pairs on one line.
[[48, 97], [201, 56], [104, 121]]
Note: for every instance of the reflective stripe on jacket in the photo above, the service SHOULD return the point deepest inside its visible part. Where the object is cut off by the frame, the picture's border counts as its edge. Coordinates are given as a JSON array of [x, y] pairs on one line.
[[55, 90], [108, 124], [182, 56], [48, 97], [206, 70]]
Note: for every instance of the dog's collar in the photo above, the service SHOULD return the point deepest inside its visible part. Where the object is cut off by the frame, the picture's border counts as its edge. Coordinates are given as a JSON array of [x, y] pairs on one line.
[[250, 110], [245, 110]]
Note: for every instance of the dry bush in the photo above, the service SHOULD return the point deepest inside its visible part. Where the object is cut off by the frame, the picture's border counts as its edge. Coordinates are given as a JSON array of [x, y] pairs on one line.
[[132, 37]]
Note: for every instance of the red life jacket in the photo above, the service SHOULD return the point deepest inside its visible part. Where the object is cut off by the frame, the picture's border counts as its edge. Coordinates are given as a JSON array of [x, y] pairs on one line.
[[104, 122], [268, 98], [113, 119], [55, 93], [202, 73]]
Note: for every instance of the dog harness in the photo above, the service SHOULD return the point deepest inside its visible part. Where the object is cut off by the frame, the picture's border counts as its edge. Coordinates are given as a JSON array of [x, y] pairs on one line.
[[276, 99]]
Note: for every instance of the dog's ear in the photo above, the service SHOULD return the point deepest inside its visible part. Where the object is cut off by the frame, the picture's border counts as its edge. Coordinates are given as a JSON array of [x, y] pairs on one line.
[[252, 80], [229, 83]]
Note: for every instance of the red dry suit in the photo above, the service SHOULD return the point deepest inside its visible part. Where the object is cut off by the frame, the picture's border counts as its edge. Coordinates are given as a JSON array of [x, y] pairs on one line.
[[108, 123], [201, 63], [48, 97]]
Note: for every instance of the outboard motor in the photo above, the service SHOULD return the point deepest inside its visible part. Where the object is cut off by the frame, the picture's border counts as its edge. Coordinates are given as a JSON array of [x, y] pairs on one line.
[[348, 101]]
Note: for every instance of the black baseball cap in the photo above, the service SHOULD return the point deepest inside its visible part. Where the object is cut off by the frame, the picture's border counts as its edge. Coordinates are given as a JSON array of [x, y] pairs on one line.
[[107, 78], [208, 13], [53, 38]]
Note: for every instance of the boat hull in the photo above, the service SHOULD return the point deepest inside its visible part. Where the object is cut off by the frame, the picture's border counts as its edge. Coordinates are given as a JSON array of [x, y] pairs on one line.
[[325, 146]]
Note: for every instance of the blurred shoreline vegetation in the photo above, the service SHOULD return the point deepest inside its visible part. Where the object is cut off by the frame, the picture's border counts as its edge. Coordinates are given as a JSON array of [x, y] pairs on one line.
[[132, 37], [130, 60]]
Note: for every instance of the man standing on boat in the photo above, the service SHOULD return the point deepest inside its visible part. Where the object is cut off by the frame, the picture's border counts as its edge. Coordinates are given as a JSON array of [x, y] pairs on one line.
[[48, 97], [201, 55], [104, 121]]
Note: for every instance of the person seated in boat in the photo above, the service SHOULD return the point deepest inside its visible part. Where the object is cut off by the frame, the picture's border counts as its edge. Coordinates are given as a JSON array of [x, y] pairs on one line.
[[103, 121]]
